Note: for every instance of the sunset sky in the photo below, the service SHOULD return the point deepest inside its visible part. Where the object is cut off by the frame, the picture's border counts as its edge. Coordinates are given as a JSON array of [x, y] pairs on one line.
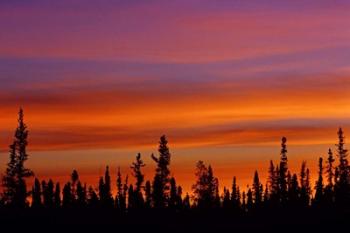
[[100, 81]]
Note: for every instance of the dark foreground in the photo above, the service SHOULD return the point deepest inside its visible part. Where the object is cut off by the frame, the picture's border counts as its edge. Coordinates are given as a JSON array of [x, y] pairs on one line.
[[97, 220]]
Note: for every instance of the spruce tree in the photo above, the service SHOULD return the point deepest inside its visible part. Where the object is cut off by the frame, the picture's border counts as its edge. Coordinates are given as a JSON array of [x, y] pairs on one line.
[[148, 195], [257, 190], [57, 195], [48, 193], [342, 191], [14, 180], [161, 185], [235, 202], [92, 198], [105, 192], [81, 195], [36, 194], [319, 188], [139, 177], [67, 200], [283, 169], [173, 194], [206, 186]]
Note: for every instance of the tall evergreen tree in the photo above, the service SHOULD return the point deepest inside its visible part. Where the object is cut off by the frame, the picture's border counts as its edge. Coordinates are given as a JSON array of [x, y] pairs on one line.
[[283, 169], [257, 190], [173, 200], [139, 177], [304, 185], [205, 188], [48, 193], [342, 191], [36, 194], [57, 195], [92, 198], [81, 195], [186, 202], [120, 199], [105, 192], [330, 168], [148, 195], [131, 198], [226, 201], [249, 199], [67, 195], [161, 185], [14, 180], [74, 182], [293, 192], [330, 173], [235, 195], [319, 188]]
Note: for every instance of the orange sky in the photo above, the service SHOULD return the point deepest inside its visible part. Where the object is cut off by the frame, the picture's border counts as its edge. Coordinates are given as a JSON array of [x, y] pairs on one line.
[[101, 81]]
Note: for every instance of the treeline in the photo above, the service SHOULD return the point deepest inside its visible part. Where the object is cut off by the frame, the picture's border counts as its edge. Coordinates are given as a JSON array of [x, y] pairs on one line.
[[284, 190]]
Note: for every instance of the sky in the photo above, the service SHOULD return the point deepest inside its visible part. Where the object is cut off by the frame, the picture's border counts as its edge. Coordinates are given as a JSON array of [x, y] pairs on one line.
[[225, 80]]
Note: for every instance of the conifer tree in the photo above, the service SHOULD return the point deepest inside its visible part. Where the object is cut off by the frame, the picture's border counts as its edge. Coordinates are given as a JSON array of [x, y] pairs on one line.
[[319, 188], [205, 189], [131, 198], [249, 200], [67, 195], [139, 177], [48, 193], [14, 180], [161, 185], [235, 202], [36, 194], [173, 194], [257, 190], [304, 185], [105, 192], [186, 202], [342, 191], [81, 194], [283, 169], [92, 198], [293, 191], [148, 195], [120, 198], [57, 196], [226, 202]]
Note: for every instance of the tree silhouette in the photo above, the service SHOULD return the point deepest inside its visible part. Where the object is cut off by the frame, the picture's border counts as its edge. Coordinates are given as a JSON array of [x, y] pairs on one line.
[[81, 195], [92, 198], [226, 202], [235, 195], [14, 185], [161, 186], [249, 199], [273, 184], [67, 200], [48, 193], [57, 196], [148, 195], [257, 190], [283, 169], [293, 192], [120, 199], [105, 193], [36, 194], [342, 189], [206, 187], [139, 177], [305, 185], [329, 189], [319, 196]]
